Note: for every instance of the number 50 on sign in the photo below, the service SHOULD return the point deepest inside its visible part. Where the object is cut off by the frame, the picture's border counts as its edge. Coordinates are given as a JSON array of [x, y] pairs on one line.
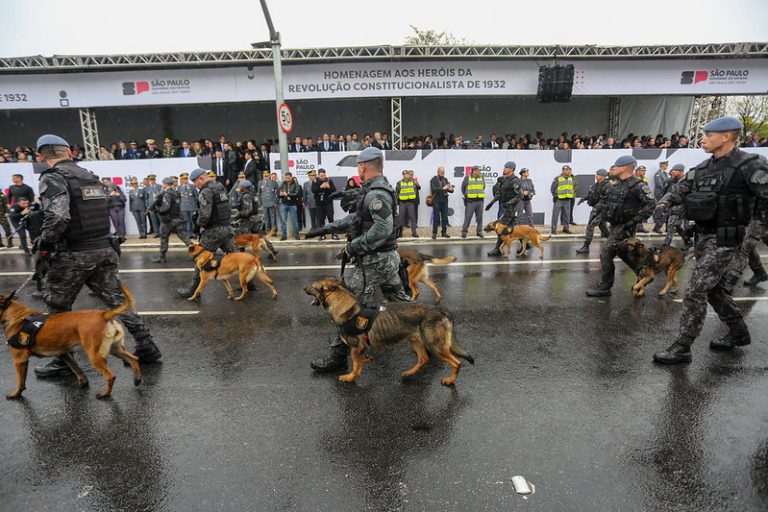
[[285, 118]]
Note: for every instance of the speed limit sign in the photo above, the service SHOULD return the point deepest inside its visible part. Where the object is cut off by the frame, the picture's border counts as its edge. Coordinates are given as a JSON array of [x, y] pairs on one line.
[[285, 118]]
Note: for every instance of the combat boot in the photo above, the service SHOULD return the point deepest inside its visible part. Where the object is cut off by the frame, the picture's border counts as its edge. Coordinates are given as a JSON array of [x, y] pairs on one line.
[[10, 242], [188, 290], [756, 279], [676, 353], [598, 291], [147, 351], [336, 360], [583, 249], [738, 336], [53, 368], [160, 259]]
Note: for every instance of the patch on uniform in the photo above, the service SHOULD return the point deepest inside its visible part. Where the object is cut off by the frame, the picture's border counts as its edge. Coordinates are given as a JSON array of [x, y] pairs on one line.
[[43, 186], [212, 264], [362, 323], [25, 338], [90, 192], [760, 177], [376, 204]]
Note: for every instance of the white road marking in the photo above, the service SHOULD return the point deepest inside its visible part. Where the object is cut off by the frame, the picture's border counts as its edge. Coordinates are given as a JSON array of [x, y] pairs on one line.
[[164, 313], [740, 299]]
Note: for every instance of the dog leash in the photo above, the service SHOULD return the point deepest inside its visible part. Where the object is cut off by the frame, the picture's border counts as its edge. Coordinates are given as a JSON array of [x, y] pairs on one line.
[[26, 281]]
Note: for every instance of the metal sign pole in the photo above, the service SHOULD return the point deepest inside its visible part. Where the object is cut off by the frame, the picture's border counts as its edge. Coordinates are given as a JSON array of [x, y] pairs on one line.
[[274, 39]]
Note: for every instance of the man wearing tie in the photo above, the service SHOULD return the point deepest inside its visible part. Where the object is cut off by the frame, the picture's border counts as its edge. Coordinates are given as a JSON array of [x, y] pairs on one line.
[[221, 168], [122, 152], [250, 169], [493, 143], [326, 144], [296, 147], [341, 145], [354, 143], [185, 151]]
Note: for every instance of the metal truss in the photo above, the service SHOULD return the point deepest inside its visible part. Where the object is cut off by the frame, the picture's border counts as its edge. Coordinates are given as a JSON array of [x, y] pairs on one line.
[[90, 133], [263, 56], [614, 112], [397, 123], [705, 109]]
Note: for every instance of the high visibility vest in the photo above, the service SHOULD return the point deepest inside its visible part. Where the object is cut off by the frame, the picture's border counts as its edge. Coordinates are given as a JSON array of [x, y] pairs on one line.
[[475, 188], [645, 180], [407, 191], [565, 187]]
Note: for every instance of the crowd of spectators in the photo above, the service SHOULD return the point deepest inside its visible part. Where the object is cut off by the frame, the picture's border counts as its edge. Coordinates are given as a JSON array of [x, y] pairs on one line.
[[236, 153]]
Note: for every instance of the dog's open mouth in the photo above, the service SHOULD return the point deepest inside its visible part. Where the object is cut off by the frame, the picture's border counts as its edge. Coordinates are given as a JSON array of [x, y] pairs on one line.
[[314, 302]]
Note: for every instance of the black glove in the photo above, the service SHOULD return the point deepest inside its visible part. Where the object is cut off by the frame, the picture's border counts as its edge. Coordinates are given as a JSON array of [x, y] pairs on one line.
[[315, 232], [43, 247], [348, 252], [581, 200], [490, 205]]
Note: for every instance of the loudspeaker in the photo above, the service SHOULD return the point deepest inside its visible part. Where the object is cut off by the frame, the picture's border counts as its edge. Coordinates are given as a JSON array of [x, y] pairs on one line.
[[555, 83]]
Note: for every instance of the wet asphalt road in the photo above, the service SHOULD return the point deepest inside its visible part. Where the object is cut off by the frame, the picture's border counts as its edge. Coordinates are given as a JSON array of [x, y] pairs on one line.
[[563, 392]]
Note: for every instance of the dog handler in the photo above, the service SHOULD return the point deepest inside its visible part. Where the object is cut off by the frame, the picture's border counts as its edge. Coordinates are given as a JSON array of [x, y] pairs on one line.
[[719, 196], [213, 216], [510, 193], [169, 211], [372, 246], [76, 242]]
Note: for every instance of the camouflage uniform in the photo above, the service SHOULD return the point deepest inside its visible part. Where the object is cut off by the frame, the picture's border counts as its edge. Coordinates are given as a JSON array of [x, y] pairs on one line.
[[595, 198], [748, 254], [247, 214], [217, 232], [715, 248], [169, 211], [676, 223], [71, 266], [509, 192], [4, 219]]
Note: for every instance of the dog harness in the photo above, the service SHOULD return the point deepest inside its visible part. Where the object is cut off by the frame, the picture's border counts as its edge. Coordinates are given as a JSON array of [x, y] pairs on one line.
[[25, 338], [361, 323], [212, 265]]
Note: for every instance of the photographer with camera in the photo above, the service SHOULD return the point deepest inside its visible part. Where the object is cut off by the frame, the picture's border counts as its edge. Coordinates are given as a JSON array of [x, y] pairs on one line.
[[372, 233], [439, 188]]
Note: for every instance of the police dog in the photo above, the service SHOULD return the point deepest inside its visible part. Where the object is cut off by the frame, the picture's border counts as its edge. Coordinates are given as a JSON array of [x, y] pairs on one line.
[[648, 262], [243, 263], [418, 271], [427, 328], [255, 242], [523, 233], [96, 330]]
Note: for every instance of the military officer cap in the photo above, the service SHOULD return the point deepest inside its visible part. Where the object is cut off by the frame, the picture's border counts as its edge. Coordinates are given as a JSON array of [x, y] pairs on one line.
[[50, 139], [566, 166], [265, 173], [368, 154], [167, 140], [625, 160], [246, 184], [601, 172], [134, 180], [640, 168], [511, 165], [184, 175], [664, 162], [196, 174], [151, 176], [678, 167], [150, 141], [524, 169], [211, 174], [133, 143], [174, 178], [475, 167], [312, 173], [168, 181], [724, 124]]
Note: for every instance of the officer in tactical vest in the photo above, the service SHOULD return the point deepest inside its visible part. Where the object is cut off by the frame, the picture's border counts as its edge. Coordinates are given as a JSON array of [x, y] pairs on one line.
[[508, 193], [152, 190], [4, 219], [213, 216], [676, 223], [595, 198], [248, 209], [188, 193], [168, 207], [372, 233], [756, 234], [627, 202], [76, 243], [473, 189], [719, 195]]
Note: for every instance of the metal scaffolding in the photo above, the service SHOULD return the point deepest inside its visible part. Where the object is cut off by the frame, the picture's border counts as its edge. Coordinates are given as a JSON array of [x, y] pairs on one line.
[[705, 109], [614, 112], [397, 123], [263, 56], [90, 133]]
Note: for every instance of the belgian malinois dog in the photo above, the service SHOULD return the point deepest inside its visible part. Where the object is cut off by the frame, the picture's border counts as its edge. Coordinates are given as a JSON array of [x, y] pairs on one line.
[[648, 262], [418, 271], [523, 233]]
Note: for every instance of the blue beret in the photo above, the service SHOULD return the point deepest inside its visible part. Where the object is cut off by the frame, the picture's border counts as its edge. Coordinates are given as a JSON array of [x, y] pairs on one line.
[[168, 181], [51, 140], [369, 154], [625, 160], [196, 174], [678, 167], [724, 124], [511, 165], [246, 184], [601, 172]]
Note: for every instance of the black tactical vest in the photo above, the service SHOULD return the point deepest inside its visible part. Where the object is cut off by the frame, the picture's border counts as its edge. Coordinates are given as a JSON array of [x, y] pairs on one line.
[[620, 205], [366, 223], [507, 189], [88, 227], [174, 212], [220, 213]]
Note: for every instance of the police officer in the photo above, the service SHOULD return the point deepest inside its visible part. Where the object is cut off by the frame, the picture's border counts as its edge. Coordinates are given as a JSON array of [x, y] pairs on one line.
[[660, 187], [719, 195], [153, 190], [248, 209], [640, 172], [595, 198], [627, 202], [4, 219], [188, 194], [756, 233], [76, 242], [407, 190], [508, 193], [168, 207], [676, 221], [213, 216], [473, 188], [137, 198], [372, 235], [563, 191]]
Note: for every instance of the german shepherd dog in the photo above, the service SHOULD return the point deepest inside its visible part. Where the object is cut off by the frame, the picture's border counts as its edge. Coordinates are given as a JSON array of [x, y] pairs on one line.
[[254, 242], [427, 328], [647, 263], [418, 271], [523, 233], [243, 263], [96, 330]]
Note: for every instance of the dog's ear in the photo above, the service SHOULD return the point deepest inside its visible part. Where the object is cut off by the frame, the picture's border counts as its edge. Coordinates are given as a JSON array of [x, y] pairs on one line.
[[5, 300]]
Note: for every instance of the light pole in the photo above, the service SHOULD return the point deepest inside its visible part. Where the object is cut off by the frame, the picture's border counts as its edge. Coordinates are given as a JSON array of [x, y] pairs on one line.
[[274, 40]]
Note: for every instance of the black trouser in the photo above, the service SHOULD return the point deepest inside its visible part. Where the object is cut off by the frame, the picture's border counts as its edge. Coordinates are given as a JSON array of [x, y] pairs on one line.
[[15, 220], [441, 216], [324, 214]]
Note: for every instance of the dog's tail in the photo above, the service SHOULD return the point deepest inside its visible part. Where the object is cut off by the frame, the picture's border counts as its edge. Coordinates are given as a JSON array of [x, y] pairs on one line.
[[268, 247], [460, 352], [437, 261], [545, 237], [122, 308]]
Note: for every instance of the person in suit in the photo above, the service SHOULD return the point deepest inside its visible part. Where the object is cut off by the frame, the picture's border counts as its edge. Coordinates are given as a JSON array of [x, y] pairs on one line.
[[296, 147], [493, 143], [221, 168], [353, 144], [263, 160], [377, 142], [385, 143], [250, 168], [122, 152], [440, 187], [233, 162], [134, 153], [326, 144], [341, 143], [185, 151], [307, 146], [323, 188]]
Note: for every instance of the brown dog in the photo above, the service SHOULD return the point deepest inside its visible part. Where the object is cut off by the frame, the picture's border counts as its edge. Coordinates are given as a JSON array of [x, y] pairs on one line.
[[648, 262], [418, 271], [96, 330], [427, 328], [245, 264], [524, 233], [254, 242]]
